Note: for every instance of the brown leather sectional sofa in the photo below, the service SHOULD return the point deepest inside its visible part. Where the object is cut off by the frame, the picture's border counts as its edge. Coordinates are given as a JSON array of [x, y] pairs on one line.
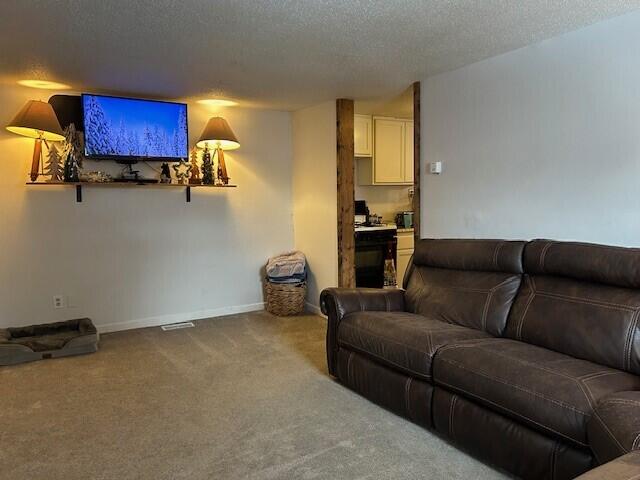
[[525, 354]]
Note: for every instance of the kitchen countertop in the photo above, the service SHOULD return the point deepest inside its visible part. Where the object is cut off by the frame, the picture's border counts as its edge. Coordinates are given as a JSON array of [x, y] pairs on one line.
[[372, 228]]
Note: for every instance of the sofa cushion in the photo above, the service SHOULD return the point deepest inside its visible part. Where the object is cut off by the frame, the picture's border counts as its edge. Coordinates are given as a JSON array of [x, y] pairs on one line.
[[614, 428], [400, 340], [471, 283], [582, 300], [547, 390]]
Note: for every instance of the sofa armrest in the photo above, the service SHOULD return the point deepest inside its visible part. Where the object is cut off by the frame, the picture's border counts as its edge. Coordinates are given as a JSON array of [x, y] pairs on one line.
[[626, 467], [614, 428], [336, 303]]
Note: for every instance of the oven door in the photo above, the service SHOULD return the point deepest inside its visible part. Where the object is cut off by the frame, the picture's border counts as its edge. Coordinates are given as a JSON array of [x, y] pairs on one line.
[[371, 251]]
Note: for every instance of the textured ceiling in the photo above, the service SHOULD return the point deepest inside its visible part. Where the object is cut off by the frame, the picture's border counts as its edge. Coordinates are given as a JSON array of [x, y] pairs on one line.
[[277, 53]]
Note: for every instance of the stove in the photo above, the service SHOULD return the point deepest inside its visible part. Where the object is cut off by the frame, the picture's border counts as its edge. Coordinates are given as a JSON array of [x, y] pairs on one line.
[[375, 242]]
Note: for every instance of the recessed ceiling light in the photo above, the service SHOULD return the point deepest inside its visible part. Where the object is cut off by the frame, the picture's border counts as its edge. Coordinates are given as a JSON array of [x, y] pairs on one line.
[[218, 102], [44, 84]]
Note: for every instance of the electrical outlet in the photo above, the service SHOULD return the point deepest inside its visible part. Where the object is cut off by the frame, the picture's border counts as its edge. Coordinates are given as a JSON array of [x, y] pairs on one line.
[[58, 301]]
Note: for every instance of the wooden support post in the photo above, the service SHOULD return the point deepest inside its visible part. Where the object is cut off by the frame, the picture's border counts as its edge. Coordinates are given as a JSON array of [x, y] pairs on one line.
[[79, 193], [188, 194], [345, 165], [416, 160]]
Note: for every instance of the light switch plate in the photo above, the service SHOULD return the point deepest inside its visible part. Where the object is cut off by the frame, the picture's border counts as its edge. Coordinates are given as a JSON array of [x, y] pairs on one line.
[[435, 168]]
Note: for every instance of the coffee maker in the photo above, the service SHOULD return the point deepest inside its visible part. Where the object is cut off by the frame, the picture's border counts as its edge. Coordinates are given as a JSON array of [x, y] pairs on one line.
[[404, 219]]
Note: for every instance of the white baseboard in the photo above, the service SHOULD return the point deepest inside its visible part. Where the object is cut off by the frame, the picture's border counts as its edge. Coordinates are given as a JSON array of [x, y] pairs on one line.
[[178, 318], [310, 307]]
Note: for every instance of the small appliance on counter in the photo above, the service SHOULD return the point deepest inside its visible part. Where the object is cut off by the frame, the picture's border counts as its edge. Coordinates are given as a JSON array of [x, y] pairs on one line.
[[404, 219], [361, 213]]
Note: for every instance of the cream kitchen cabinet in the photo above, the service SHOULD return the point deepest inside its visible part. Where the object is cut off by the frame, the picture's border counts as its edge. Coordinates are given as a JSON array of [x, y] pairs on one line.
[[363, 135], [392, 160], [404, 252]]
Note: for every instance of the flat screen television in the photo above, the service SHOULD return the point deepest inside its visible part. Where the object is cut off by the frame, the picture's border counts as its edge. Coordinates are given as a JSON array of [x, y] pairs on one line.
[[129, 129]]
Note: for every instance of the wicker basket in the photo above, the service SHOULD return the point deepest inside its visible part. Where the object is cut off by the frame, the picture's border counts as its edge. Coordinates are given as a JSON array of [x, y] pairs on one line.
[[285, 299]]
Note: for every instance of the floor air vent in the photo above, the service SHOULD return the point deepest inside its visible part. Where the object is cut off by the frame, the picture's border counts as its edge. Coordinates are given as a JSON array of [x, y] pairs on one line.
[[177, 326]]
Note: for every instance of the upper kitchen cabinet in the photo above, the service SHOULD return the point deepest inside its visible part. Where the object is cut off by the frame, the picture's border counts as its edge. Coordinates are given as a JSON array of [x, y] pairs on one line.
[[363, 135], [392, 160]]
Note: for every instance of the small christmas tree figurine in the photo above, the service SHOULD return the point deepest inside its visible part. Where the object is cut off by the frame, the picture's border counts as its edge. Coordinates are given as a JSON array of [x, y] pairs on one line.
[[54, 165], [207, 167], [73, 154], [195, 170]]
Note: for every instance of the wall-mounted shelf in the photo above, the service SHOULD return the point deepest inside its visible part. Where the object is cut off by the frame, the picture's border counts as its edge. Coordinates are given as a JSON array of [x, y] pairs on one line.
[[78, 186]]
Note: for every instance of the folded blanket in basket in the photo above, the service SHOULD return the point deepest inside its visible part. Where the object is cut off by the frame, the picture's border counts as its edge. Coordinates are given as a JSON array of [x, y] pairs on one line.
[[296, 278], [286, 265]]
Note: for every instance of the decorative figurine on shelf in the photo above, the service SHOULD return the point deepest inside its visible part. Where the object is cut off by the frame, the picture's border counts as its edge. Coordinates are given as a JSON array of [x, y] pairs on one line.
[[165, 173], [223, 178], [54, 165], [219, 133], [207, 166], [72, 153], [194, 179], [182, 170]]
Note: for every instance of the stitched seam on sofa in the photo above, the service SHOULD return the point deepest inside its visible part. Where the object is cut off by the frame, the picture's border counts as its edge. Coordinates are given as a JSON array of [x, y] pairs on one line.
[[386, 360], [500, 407], [543, 255], [470, 342], [626, 360], [517, 387], [620, 401], [532, 295], [597, 416], [407, 403], [464, 289], [359, 295], [588, 395], [390, 340], [583, 382], [554, 453], [534, 365], [487, 304], [428, 352], [587, 301], [429, 342], [495, 254], [601, 373], [452, 408], [485, 311], [349, 375]]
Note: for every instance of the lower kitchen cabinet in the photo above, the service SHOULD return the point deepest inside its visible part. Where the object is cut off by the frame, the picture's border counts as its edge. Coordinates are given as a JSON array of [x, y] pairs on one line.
[[404, 252]]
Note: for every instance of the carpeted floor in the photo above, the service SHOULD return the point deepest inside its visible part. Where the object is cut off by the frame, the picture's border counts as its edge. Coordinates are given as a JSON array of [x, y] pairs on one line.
[[239, 397]]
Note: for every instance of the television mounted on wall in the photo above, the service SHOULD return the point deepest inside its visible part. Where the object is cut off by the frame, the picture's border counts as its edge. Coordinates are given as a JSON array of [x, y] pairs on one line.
[[128, 129]]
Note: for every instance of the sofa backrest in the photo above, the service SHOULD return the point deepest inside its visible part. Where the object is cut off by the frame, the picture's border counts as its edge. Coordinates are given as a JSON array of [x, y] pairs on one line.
[[582, 300], [466, 282]]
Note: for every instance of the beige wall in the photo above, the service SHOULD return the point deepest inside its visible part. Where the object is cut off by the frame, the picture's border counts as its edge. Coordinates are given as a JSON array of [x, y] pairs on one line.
[[129, 257], [540, 142], [315, 194], [384, 200]]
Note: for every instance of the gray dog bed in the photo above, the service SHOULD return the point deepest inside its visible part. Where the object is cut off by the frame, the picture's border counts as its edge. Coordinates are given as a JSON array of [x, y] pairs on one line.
[[51, 340]]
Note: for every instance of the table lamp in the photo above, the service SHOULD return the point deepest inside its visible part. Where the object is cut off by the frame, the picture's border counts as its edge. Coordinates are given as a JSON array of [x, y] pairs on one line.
[[219, 133], [37, 120]]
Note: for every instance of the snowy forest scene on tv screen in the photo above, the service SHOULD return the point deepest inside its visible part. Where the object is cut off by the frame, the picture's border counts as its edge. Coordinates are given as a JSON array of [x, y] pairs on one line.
[[135, 128]]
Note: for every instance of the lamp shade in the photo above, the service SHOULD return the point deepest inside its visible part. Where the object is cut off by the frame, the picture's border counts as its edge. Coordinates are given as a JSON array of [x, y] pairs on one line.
[[219, 133], [37, 120]]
